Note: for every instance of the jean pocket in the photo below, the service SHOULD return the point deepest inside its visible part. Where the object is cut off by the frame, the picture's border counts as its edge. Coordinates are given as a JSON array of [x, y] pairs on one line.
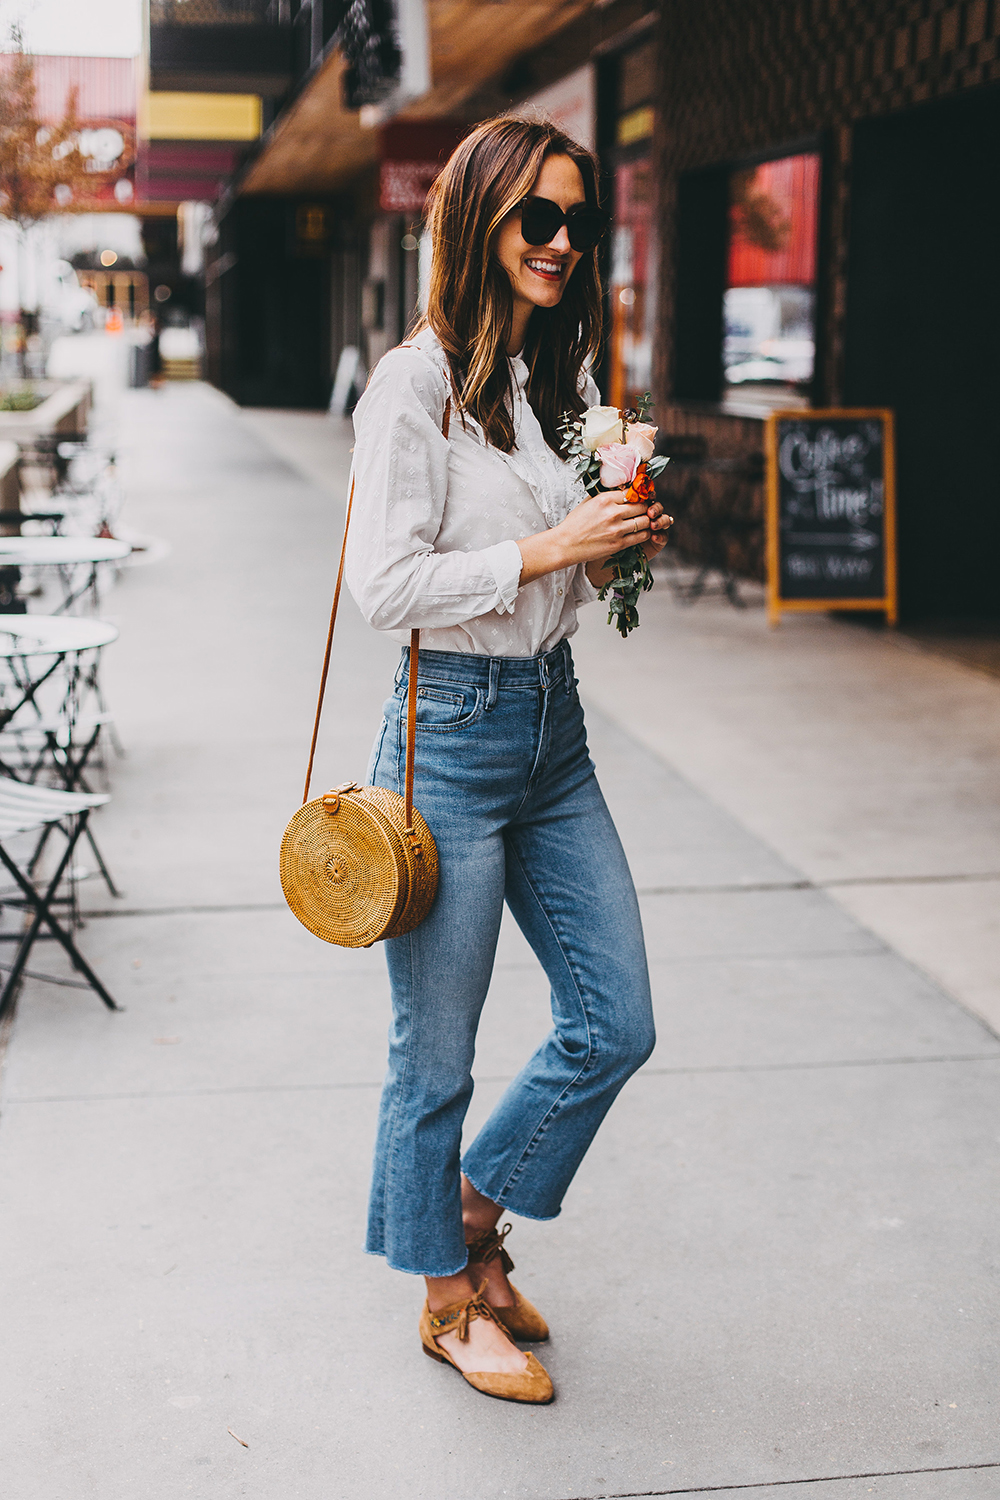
[[444, 705]]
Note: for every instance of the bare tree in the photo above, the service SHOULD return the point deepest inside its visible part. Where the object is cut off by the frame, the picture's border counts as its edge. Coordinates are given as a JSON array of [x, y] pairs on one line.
[[41, 166]]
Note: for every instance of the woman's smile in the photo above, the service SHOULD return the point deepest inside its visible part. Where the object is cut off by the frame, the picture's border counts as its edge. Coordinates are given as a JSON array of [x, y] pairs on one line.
[[548, 268]]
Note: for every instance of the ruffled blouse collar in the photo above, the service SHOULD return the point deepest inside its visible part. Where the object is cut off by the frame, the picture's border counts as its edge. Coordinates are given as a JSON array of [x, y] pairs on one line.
[[553, 483]]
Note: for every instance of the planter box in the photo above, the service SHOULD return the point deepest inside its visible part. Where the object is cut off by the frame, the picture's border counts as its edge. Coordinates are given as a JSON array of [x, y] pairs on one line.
[[10, 503], [63, 413], [10, 486]]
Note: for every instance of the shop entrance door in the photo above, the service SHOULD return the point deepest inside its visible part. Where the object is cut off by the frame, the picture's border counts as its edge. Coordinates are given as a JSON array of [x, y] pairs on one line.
[[923, 336]]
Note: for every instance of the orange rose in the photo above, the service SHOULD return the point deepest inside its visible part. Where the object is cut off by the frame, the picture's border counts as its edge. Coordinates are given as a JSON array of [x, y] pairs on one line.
[[642, 488]]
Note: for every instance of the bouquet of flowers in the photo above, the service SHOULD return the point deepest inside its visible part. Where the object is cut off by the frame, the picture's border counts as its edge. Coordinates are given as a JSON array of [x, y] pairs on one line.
[[613, 450]]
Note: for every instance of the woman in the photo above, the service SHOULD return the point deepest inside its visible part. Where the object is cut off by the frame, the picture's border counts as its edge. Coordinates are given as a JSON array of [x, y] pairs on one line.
[[471, 528]]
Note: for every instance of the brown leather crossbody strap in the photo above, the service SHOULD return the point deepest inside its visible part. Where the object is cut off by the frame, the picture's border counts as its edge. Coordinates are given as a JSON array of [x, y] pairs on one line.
[[411, 697], [329, 646]]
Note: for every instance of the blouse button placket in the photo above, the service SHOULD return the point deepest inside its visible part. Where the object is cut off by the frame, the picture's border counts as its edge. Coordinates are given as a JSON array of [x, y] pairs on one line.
[[485, 491]]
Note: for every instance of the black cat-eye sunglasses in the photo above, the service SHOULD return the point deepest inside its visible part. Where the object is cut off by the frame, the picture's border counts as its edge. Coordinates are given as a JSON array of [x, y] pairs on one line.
[[541, 221]]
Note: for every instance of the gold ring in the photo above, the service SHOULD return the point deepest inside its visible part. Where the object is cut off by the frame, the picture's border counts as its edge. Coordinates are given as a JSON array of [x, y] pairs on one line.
[[635, 524]]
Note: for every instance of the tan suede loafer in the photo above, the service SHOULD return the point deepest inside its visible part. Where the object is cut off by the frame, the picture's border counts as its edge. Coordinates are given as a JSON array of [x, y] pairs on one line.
[[532, 1385], [522, 1321]]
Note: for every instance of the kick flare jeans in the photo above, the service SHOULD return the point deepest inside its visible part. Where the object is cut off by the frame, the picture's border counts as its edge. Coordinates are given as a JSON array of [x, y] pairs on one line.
[[505, 781]]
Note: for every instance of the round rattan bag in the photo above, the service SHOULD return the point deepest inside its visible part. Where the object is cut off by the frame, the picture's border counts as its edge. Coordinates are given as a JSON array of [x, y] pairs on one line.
[[360, 863], [351, 870]]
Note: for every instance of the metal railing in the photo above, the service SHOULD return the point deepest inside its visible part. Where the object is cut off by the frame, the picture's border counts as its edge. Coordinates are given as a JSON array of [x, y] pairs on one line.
[[218, 12], [718, 505]]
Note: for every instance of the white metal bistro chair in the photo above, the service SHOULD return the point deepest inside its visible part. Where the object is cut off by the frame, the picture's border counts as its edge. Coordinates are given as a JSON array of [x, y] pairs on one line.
[[34, 810], [57, 747], [49, 666]]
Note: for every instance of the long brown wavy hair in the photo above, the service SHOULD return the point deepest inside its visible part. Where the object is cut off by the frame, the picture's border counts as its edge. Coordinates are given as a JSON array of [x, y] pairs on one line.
[[470, 301]]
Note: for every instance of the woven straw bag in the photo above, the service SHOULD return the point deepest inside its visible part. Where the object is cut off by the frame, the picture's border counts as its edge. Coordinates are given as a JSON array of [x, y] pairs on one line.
[[359, 863]]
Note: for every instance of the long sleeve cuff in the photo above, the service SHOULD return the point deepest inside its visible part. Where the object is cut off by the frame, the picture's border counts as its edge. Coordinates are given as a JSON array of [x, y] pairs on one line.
[[505, 562], [584, 591]]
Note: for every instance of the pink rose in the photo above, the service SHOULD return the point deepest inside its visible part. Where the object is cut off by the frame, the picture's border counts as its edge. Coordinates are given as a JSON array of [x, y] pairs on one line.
[[641, 436], [619, 462]]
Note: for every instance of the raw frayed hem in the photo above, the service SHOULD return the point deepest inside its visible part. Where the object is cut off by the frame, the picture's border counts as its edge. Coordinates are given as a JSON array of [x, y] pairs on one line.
[[408, 1271], [521, 1213]]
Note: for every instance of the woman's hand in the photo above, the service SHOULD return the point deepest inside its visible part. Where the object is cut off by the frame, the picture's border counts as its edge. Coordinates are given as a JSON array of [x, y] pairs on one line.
[[659, 525], [593, 531], [602, 525]]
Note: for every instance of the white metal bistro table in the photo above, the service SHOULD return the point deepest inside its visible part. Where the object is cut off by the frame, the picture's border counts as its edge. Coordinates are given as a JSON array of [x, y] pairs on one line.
[[34, 648], [38, 635], [67, 554]]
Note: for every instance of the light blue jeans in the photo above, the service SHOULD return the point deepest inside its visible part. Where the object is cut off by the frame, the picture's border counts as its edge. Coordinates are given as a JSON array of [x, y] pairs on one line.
[[506, 784]]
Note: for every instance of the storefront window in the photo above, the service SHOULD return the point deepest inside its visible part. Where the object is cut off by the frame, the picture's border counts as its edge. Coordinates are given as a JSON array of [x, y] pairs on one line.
[[771, 276], [632, 293]]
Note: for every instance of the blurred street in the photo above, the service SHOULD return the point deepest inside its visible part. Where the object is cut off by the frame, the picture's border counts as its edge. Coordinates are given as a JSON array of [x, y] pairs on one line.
[[783, 1239]]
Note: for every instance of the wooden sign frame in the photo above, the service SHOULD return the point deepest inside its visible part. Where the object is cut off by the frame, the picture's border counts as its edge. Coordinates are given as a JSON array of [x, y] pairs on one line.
[[889, 602]]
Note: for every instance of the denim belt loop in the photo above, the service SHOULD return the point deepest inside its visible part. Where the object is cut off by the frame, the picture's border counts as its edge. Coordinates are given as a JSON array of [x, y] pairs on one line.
[[567, 670], [491, 695], [544, 675]]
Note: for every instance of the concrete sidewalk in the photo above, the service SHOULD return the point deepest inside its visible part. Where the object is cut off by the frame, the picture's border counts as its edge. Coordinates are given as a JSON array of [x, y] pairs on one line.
[[870, 764], [776, 1271]]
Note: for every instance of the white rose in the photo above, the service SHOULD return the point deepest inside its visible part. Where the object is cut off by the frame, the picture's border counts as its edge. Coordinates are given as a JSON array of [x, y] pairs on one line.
[[601, 425]]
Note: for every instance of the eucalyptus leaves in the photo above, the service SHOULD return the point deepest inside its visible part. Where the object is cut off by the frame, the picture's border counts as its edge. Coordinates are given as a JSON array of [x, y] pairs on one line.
[[613, 450]]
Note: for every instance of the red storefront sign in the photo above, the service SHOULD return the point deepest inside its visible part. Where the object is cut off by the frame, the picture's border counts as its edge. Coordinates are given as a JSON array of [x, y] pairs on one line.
[[412, 156], [174, 171]]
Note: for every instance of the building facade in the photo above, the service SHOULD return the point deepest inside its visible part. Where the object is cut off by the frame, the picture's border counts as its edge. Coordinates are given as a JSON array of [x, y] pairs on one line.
[[805, 214]]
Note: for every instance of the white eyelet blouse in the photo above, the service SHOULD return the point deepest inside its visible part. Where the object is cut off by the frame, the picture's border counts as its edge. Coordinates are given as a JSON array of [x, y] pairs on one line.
[[433, 543]]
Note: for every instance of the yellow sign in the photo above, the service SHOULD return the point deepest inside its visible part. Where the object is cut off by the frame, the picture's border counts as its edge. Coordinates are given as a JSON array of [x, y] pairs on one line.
[[637, 125], [201, 117]]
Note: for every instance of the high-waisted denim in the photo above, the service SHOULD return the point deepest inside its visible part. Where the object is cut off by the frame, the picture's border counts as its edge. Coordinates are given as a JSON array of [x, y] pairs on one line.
[[506, 784]]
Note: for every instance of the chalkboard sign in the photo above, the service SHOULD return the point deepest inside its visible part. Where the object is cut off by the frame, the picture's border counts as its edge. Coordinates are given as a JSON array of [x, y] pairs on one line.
[[831, 518]]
